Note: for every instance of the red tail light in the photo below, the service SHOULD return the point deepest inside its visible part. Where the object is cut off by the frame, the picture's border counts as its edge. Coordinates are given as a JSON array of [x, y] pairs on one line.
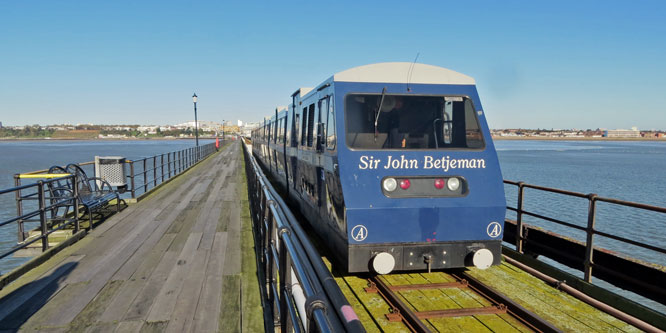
[[439, 183], [404, 184]]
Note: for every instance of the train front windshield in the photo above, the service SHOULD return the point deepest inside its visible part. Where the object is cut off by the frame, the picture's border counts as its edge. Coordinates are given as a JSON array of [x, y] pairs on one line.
[[411, 122]]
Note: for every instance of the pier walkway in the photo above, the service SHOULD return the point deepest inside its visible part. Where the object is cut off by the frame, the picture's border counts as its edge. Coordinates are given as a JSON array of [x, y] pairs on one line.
[[179, 260]]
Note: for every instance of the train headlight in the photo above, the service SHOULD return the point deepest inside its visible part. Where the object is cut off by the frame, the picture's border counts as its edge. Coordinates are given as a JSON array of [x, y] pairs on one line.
[[453, 184], [390, 184], [439, 183]]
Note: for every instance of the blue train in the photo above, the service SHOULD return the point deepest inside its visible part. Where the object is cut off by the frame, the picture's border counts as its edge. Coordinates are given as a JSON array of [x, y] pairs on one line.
[[393, 165]]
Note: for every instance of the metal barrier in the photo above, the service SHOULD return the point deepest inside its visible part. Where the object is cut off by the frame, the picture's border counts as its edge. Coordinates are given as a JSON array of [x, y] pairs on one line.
[[44, 201], [146, 173], [630, 274], [301, 293]]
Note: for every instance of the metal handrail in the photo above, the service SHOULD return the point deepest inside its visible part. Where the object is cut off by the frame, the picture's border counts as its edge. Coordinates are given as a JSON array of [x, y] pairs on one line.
[[175, 163], [42, 195], [290, 276], [589, 229]]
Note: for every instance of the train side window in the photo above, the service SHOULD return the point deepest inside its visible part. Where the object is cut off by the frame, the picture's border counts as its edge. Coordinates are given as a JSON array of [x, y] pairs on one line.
[[330, 125], [294, 140], [278, 131], [304, 127], [311, 122]]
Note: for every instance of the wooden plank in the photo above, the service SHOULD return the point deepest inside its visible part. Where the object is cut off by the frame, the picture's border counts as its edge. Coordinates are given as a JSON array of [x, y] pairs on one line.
[[557, 307], [101, 276], [118, 249], [144, 300], [165, 301], [148, 246], [374, 305], [233, 262], [129, 326], [88, 316], [230, 310], [181, 320], [207, 313], [46, 307], [134, 284], [50, 280]]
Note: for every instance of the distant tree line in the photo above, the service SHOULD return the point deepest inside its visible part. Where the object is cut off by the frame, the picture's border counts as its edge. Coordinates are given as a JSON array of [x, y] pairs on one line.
[[34, 131]]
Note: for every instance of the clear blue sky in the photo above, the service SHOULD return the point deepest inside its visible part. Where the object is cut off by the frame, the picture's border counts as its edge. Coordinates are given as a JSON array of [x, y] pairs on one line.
[[578, 64]]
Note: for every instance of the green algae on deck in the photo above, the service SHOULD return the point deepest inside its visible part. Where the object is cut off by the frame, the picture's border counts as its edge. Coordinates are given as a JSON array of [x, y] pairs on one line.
[[560, 309], [252, 320]]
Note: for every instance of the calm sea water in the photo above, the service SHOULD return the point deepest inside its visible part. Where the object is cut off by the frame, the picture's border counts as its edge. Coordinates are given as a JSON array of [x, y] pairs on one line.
[[633, 171]]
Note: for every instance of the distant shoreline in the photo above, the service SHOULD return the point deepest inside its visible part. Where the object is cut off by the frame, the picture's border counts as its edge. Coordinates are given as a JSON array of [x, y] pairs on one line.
[[536, 138], [97, 139], [496, 138]]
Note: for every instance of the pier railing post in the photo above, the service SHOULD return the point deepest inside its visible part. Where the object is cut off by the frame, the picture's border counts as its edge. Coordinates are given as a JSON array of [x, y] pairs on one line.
[[285, 288], [589, 244], [77, 225], [145, 177], [154, 171], [519, 218], [162, 166], [132, 184], [42, 215], [19, 208], [169, 165]]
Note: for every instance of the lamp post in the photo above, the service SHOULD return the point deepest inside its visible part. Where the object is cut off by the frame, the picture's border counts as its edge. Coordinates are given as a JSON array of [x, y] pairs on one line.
[[196, 124], [222, 129]]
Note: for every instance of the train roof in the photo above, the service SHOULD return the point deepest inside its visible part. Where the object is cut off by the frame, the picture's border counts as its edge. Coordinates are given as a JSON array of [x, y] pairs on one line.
[[399, 72]]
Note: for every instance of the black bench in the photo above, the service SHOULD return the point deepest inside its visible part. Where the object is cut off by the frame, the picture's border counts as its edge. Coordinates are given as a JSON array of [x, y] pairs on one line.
[[93, 193]]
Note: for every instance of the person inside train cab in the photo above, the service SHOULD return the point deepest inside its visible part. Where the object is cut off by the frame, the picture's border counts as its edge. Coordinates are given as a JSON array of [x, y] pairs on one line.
[[393, 108]]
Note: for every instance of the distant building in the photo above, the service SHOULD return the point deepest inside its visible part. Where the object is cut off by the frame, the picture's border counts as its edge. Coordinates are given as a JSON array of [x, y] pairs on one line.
[[0, 124], [623, 133]]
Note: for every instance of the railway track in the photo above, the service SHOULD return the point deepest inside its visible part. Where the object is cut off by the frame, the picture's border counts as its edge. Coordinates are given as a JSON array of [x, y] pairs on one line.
[[407, 303]]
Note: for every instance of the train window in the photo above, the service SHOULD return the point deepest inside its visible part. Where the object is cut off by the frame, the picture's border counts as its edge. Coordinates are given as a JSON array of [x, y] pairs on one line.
[[311, 122], [304, 127], [411, 122], [330, 125]]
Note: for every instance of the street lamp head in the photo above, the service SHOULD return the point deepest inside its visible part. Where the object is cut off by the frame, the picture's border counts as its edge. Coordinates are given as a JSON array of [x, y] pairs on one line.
[[194, 97]]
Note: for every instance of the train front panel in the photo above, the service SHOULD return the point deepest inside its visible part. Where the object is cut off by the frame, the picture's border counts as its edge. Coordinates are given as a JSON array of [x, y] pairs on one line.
[[420, 177]]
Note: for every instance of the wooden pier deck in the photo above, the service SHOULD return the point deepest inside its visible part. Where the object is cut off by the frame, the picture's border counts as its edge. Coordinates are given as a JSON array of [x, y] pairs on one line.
[[180, 260]]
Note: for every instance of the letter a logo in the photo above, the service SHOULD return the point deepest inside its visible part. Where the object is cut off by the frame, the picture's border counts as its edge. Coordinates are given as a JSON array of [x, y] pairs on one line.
[[494, 229], [359, 233]]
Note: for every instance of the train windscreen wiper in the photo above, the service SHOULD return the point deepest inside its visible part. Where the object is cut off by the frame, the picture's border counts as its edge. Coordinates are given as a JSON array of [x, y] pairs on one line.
[[379, 111]]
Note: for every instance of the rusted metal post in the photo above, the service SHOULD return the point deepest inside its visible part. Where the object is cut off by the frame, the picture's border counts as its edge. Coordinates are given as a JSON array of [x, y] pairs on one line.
[[42, 215], [145, 177], [132, 179], [19, 208], [519, 218], [589, 244]]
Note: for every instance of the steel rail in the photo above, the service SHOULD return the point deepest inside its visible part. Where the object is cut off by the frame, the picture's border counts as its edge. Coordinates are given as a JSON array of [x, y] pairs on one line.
[[414, 319], [398, 308], [526, 317]]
